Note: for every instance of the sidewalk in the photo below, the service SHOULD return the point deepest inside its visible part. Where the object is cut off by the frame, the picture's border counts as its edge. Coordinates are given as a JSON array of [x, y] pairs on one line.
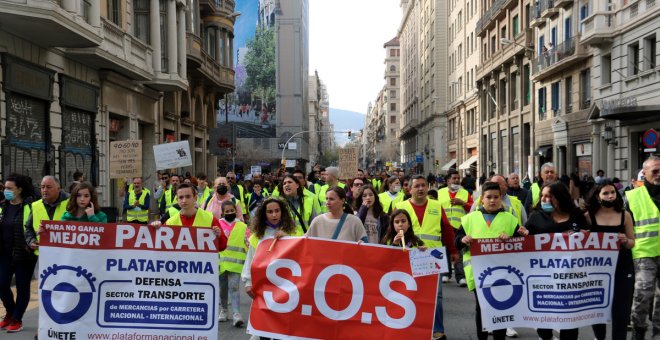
[[30, 319]]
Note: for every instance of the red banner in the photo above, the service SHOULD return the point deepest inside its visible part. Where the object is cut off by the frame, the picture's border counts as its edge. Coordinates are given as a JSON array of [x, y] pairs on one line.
[[325, 289]]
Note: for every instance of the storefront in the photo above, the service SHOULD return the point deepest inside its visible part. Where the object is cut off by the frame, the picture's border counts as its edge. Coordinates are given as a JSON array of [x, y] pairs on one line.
[[26, 147]]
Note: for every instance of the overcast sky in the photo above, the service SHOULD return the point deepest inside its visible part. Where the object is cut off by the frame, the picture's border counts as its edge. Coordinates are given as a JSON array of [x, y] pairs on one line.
[[346, 40]]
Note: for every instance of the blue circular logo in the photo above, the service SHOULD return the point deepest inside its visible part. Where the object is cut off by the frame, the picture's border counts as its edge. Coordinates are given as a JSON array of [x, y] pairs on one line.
[[501, 276], [73, 293]]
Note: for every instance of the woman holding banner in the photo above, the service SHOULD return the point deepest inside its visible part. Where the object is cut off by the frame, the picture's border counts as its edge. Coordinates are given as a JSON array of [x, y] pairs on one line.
[[490, 220], [606, 214], [556, 213]]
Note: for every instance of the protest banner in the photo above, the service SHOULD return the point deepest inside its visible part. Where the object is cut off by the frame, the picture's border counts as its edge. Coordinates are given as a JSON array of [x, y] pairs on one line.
[[556, 281], [431, 261], [116, 280], [348, 163], [328, 289], [172, 155], [126, 159]]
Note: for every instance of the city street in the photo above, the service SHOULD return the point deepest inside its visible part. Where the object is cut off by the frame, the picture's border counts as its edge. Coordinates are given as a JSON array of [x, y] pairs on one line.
[[459, 318]]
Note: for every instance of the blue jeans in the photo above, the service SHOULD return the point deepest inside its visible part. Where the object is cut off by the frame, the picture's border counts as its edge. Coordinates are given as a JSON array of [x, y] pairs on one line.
[[438, 325], [23, 271]]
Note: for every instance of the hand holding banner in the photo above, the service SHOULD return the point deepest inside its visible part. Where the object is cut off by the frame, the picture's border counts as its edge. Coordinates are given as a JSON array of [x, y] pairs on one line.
[[343, 294]]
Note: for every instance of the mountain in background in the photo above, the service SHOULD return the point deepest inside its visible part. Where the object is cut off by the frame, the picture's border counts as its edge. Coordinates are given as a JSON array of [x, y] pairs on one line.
[[346, 120]]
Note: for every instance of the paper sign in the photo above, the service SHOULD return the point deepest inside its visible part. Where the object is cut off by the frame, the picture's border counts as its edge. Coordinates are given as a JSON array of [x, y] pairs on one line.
[[126, 159], [290, 163], [172, 155], [255, 170], [432, 261], [348, 163]]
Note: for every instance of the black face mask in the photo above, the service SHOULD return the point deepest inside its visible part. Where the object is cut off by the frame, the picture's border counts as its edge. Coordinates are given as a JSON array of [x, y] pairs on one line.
[[222, 190], [607, 204], [230, 217]]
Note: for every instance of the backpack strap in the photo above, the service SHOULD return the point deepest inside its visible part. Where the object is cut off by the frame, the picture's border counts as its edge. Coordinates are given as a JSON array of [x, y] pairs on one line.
[[339, 226]]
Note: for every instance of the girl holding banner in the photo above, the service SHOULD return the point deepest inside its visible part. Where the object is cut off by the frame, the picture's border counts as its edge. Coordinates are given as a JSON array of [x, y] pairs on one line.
[[490, 220], [606, 214], [271, 220], [556, 213]]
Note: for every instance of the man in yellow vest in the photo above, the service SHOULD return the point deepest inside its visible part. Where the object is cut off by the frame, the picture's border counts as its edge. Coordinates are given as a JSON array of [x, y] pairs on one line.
[[239, 192], [644, 205], [331, 179], [548, 174], [457, 202], [136, 203], [169, 197], [511, 203], [431, 225], [51, 206], [203, 190]]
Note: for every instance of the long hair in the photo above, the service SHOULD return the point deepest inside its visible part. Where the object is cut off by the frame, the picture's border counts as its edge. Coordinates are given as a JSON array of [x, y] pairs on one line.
[[409, 235], [72, 206], [593, 205], [258, 226], [28, 194], [377, 208], [299, 192], [388, 183], [560, 192]]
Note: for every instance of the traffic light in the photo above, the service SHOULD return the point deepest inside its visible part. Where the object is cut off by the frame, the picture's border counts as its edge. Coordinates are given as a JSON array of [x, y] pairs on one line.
[[349, 134], [437, 162]]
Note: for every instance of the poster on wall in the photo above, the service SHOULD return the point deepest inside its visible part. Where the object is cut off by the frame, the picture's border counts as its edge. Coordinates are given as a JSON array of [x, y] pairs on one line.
[[251, 107]]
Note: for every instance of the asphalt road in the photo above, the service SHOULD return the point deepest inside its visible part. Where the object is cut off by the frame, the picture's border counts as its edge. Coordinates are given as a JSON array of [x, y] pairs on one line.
[[458, 304]]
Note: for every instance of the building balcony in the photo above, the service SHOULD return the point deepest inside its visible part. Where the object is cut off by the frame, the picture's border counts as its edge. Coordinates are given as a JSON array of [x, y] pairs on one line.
[[118, 51], [58, 27], [167, 82], [563, 3], [598, 28], [493, 13], [220, 78], [559, 58], [193, 50], [409, 130], [544, 9]]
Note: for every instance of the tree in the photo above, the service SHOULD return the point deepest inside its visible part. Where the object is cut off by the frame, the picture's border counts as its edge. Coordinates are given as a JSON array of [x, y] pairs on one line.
[[330, 157], [260, 65]]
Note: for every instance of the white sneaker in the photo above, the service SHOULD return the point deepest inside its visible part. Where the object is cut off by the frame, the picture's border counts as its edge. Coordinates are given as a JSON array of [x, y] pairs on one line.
[[223, 316], [445, 279], [463, 283], [237, 320], [511, 333]]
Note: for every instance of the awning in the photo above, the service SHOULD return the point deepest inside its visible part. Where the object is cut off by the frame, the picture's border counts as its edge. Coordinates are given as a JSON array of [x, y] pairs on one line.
[[449, 165], [543, 150], [466, 165]]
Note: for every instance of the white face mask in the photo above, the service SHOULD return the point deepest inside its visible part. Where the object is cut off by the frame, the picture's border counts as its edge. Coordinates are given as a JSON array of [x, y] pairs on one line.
[[396, 188], [455, 187]]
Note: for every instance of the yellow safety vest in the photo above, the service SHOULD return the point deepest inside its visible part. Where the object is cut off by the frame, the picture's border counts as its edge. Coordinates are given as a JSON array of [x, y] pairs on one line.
[[431, 230], [324, 189], [39, 213], [515, 208], [475, 225], [202, 196], [203, 218], [169, 200], [647, 223], [233, 257], [536, 194], [454, 212], [254, 240], [133, 215], [389, 203], [309, 201]]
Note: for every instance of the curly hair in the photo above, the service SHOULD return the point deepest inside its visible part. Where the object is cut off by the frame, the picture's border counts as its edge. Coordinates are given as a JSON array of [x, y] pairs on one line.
[[258, 227]]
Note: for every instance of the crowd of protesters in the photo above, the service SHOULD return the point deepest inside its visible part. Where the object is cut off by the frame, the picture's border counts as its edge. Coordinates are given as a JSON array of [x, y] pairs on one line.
[[386, 208]]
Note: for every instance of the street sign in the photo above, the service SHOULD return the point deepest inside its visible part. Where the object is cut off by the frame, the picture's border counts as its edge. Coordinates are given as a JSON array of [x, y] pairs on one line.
[[650, 138], [419, 159], [292, 146]]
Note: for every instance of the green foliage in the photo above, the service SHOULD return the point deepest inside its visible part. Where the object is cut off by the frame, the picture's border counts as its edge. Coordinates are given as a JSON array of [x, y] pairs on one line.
[[329, 157], [260, 65]]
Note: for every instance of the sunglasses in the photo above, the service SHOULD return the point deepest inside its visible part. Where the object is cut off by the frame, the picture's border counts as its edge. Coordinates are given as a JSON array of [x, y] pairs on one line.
[[358, 184]]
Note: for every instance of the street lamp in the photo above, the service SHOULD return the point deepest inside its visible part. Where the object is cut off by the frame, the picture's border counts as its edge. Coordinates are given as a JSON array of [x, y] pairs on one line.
[[234, 15], [505, 41]]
